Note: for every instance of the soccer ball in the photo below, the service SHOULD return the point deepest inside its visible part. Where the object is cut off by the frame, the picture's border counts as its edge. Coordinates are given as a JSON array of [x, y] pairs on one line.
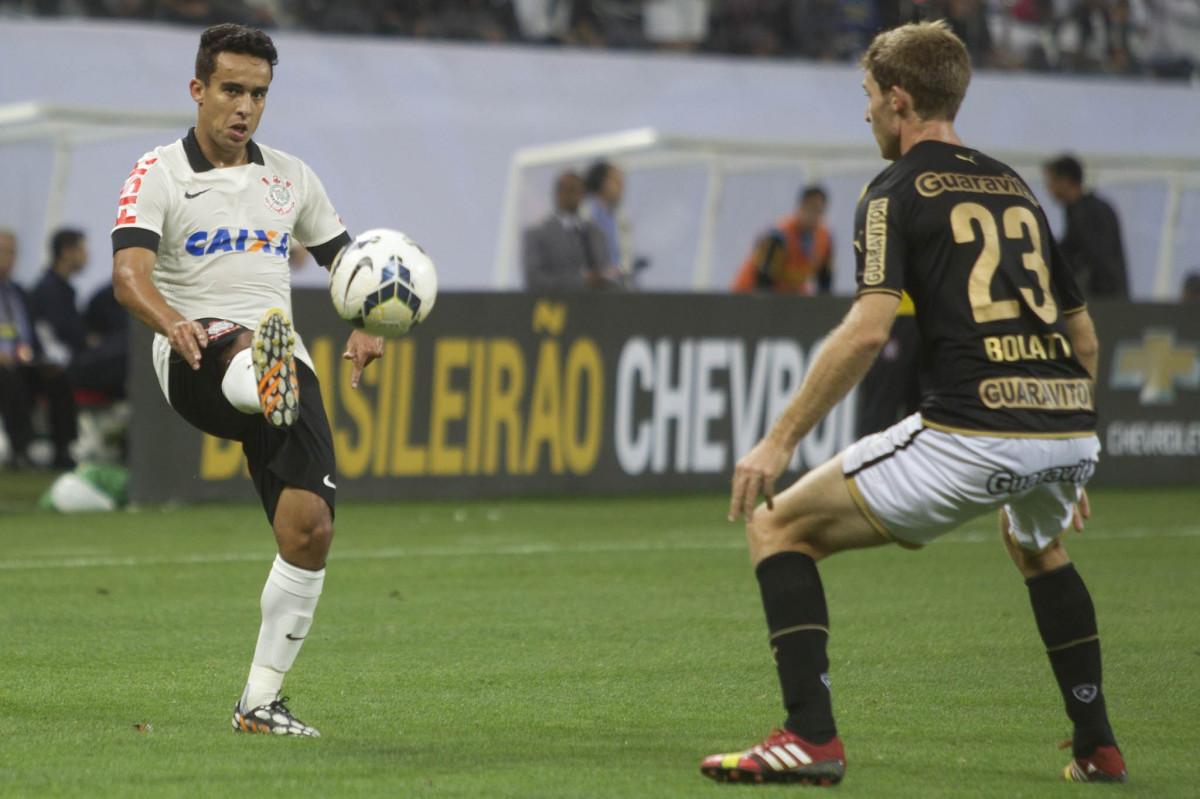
[[383, 282]]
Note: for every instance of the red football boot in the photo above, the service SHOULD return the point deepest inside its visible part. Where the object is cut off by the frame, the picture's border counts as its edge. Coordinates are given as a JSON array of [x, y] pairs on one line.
[[1103, 765], [782, 757]]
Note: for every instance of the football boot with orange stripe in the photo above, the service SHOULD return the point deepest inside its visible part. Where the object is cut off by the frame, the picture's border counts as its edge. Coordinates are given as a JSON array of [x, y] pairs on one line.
[[271, 719], [782, 757], [275, 368]]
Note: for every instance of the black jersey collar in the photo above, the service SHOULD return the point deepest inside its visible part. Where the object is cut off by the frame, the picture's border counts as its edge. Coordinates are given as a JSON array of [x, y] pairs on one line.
[[191, 146]]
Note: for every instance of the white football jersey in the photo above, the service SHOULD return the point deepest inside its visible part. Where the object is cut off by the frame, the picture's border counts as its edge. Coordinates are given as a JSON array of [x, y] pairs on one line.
[[222, 235]]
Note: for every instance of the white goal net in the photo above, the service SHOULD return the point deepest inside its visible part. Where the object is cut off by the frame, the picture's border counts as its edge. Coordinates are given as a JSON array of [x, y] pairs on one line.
[[33, 133], [697, 204]]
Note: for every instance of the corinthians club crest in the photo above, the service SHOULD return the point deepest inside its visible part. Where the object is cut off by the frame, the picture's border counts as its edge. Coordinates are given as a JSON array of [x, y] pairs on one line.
[[279, 195]]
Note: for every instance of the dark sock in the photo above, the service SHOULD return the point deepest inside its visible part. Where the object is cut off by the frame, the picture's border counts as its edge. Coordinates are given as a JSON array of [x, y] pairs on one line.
[[799, 624], [1066, 619]]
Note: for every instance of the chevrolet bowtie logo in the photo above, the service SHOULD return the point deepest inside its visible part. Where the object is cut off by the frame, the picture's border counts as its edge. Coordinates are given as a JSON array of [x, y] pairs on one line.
[[1156, 366]]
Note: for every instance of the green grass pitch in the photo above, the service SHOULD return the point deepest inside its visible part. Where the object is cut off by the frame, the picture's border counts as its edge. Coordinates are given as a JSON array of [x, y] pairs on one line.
[[569, 648]]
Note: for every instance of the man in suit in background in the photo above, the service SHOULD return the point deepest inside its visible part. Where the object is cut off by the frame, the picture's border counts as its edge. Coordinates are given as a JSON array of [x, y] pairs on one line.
[[1092, 239], [23, 373], [565, 252], [60, 324]]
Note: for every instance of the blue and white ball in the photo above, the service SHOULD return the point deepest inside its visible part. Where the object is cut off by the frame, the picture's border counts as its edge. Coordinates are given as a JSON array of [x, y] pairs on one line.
[[383, 282]]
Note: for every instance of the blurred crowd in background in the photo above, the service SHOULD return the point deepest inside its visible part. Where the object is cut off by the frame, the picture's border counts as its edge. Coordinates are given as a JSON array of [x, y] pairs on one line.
[[1158, 38]]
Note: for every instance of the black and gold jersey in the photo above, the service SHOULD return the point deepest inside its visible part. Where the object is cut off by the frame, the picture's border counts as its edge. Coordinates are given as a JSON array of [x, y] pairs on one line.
[[964, 236]]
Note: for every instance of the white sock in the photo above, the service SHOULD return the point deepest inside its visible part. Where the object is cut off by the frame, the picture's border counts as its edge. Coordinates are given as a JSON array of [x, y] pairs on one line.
[[239, 386], [288, 601]]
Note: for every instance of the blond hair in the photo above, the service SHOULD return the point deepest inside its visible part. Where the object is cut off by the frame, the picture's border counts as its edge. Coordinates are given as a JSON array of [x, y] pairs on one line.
[[925, 59]]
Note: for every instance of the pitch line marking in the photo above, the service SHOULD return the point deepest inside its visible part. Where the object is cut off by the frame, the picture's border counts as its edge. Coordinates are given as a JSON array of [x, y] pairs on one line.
[[466, 551]]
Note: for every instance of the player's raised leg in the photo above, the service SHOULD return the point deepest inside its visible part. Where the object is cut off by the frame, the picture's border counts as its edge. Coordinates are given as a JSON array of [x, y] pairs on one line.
[[814, 518], [1066, 619], [260, 370], [275, 368], [304, 530]]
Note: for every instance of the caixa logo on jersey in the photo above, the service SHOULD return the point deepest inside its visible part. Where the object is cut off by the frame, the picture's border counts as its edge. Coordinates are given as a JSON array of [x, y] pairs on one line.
[[208, 242]]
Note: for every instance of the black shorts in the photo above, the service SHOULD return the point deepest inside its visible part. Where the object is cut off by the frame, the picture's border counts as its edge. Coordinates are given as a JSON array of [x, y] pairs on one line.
[[299, 456]]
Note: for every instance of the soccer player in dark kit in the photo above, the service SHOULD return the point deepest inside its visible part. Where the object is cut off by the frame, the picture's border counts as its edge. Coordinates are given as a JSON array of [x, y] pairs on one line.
[[1006, 424]]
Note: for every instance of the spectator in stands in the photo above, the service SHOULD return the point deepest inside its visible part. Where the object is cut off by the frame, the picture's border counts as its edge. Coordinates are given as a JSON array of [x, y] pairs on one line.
[[858, 22], [814, 26], [1161, 37], [474, 20], [543, 21], [1024, 34], [201, 12], [604, 185], [1169, 40], [617, 22], [749, 27], [1092, 240], [406, 17], [23, 373], [60, 326], [969, 21], [1086, 36], [795, 256], [676, 24], [93, 358], [566, 252], [102, 367]]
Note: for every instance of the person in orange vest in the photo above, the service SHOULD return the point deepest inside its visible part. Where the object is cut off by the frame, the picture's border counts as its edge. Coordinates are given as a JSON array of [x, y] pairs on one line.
[[795, 256]]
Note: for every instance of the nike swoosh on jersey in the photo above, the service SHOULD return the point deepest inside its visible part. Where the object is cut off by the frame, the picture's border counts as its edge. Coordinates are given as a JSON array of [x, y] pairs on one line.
[[328, 482], [190, 196]]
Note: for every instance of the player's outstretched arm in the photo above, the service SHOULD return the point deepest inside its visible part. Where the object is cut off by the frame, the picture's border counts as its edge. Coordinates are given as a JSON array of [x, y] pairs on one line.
[[134, 289], [362, 348], [840, 363]]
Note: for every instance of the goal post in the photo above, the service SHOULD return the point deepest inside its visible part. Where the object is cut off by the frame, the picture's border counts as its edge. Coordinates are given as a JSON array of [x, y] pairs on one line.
[[65, 128], [1156, 231]]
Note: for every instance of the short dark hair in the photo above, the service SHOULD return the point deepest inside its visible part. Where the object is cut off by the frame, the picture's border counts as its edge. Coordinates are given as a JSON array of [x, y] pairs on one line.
[[1065, 166], [232, 38], [564, 176], [64, 238], [593, 181], [812, 190]]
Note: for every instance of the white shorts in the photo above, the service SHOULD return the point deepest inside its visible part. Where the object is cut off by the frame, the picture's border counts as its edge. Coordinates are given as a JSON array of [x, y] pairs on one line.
[[914, 483]]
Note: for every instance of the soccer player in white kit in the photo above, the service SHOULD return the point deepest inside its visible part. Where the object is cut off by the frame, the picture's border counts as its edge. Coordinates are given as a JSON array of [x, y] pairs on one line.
[[200, 256]]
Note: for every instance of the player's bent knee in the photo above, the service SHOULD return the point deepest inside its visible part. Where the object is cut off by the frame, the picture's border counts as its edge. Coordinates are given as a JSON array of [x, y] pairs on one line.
[[768, 535], [306, 546], [1031, 564], [303, 529], [318, 533], [761, 528]]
